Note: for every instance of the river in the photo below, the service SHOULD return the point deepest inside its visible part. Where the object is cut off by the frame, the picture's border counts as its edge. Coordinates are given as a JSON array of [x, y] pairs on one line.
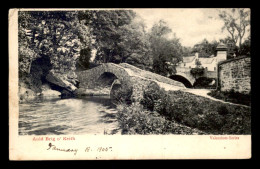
[[73, 116]]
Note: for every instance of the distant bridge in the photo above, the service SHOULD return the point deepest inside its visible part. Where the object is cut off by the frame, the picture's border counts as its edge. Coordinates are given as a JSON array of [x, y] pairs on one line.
[[183, 75]]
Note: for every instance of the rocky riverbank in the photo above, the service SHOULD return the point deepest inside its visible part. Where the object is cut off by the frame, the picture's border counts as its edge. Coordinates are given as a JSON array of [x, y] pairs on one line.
[[26, 94]]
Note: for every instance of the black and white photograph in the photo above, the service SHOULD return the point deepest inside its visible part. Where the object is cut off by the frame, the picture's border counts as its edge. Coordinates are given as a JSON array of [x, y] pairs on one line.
[[173, 71]]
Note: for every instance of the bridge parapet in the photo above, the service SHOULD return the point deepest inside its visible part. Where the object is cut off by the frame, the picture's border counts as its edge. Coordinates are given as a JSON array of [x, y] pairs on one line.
[[127, 75], [183, 69], [150, 75]]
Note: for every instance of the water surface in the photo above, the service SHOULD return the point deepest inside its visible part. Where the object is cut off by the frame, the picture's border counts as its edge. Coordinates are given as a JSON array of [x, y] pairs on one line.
[[73, 116]]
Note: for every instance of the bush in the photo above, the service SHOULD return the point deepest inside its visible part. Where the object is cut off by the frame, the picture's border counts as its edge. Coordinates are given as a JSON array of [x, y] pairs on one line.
[[222, 110], [232, 96], [197, 71], [198, 112], [122, 94], [154, 98], [134, 119], [204, 82]]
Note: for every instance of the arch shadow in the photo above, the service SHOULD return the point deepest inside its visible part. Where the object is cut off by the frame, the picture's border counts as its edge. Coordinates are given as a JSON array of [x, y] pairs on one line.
[[181, 79], [106, 79]]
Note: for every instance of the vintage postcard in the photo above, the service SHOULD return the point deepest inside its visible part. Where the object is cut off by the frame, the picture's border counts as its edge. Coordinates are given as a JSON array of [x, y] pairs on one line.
[[111, 84]]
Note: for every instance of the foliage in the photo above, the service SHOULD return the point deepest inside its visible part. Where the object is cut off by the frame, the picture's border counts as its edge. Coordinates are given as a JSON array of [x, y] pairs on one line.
[[117, 35], [187, 51], [55, 34], [134, 119], [232, 49], [83, 62], [164, 49], [122, 94], [197, 71], [232, 96], [204, 82], [205, 48], [199, 112], [244, 49], [153, 98], [236, 22]]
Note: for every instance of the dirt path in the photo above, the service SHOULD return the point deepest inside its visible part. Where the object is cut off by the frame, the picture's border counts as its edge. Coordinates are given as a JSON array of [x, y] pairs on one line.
[[204, 93]]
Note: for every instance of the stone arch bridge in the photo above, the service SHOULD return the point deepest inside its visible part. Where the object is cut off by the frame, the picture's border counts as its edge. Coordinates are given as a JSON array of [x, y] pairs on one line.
[[183, 75], [114, 75]]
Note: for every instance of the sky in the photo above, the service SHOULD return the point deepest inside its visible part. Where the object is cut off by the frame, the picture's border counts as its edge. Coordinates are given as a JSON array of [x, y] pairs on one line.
[[191, 25]]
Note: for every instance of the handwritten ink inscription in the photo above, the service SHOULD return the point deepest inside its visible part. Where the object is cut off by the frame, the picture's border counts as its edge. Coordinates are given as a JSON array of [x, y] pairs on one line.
[[75, 150], [99, 149], [53, 147]]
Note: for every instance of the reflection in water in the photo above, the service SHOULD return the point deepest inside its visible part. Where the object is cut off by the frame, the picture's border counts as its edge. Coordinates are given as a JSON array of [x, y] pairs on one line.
[[89, 115]]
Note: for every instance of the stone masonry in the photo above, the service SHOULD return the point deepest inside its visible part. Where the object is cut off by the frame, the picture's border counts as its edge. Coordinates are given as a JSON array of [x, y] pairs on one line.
[[235, 74], [127, 75]]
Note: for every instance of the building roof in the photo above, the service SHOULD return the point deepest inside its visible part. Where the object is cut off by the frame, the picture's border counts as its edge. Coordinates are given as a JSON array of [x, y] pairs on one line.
[[188, 59], [206, 60], [221, 46]]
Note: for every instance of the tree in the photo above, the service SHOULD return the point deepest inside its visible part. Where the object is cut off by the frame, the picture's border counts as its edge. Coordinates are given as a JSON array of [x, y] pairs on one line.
[[134, 45], [232, 49], [84, 59], [186, 51], [25, 53], [107, 29], [236, 22], [197, 71], [164, 50], [245, 48], [57, 35], [118, 36], [205, 48]]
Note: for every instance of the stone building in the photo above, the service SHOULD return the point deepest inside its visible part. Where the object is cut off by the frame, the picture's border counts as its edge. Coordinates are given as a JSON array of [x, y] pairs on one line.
[[235, 74], [210, 63]]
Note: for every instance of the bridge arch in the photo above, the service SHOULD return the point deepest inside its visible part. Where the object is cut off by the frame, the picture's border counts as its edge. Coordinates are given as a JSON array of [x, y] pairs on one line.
[[122, 76], [184, 80], [106, 79], [90, 78]]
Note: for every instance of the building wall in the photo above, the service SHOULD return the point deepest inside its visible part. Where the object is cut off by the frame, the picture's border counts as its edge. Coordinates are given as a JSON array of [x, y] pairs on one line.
[[235, 74], [221, 56], [188, 65], [212, 66]]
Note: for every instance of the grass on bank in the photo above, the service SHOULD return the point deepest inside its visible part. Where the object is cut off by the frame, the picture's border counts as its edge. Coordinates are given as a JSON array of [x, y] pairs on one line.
[[232, 96], [178, 112], [198, 112], [133, 119]]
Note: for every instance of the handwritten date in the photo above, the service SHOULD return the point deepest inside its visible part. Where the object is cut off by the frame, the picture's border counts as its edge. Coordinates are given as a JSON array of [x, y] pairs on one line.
[[99, 149]]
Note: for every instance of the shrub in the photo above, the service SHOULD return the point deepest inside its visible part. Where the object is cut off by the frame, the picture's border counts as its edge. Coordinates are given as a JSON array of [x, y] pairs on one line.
[[204, 82], [213, 122], [134, 119], [153, 98], [198, 112], [222, 110], [122, 94], [232, 96], [197, 71]]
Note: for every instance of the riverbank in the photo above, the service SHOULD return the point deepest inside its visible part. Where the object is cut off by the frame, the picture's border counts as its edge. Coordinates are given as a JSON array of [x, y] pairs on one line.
[[134, 119], [206, 114], [26, 94]]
